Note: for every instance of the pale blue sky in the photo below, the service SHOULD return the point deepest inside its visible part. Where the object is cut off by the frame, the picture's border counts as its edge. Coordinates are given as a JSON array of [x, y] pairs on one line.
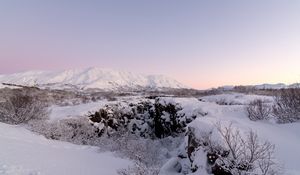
[[200, 43]]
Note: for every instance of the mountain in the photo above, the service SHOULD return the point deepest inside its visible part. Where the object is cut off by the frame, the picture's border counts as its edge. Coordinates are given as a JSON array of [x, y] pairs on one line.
[[91, 78], [271, 86], [266, 86]]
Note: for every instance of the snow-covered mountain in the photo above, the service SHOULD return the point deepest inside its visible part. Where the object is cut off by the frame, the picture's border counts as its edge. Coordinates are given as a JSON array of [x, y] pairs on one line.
[[90, 78], [266, 86]]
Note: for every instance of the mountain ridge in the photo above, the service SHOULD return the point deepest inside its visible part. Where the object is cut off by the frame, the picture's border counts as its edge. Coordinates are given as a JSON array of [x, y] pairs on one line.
[[90, 78]]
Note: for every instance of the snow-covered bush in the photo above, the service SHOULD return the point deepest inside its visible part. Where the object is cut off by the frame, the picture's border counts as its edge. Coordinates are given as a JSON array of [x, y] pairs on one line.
[[223, 101], [287, 106], [157, 119], [167, 119], [143, 150], [226, 150], [21, 108], [137, 148], [139, 169], [76, 130], [245, 153], [258, 110], [135, 118]]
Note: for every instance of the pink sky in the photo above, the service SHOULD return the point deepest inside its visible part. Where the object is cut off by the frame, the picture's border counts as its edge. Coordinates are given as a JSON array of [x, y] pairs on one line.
[[200, 43]]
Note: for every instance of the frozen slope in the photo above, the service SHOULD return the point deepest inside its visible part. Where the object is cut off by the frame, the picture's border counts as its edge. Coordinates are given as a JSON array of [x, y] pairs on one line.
[[90, 78], [24, 153]]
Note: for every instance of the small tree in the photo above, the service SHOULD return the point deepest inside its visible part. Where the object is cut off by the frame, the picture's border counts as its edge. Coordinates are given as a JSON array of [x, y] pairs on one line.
[[231, 152], [257, 110], [20, 108], [246, 154]]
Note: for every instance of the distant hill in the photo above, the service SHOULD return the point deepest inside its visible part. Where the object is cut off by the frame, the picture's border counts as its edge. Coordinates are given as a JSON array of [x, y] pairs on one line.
[[266, 86]]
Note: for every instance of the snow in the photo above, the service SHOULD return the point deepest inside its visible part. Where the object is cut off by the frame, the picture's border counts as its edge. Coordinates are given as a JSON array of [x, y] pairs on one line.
[[62, 112], [90, 78], [170, 168], [237, 98], [24, 153], [188, 105]]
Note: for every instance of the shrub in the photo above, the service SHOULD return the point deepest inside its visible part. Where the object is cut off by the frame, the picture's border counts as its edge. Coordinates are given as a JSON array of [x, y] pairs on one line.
[[223, 101], [19, 108], [148, 154], [257, 110], [139, 169], [287, 106], [76, 130], [167, 120], [245, 154]]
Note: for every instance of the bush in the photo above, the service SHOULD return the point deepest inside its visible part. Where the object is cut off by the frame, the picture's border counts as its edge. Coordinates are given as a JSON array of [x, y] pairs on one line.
[[19, 108], [223, 101], [287, 106], [75, 130], [167, 120], [139, 169], [257, 110], [147, 154]]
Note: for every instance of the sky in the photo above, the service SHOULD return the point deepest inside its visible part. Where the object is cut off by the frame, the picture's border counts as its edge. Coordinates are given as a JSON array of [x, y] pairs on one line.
[[202, 44]]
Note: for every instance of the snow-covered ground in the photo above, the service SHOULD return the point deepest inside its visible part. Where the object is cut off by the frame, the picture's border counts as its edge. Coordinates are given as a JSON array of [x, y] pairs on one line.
[[25, 153], [61, 112], [236, 98]]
